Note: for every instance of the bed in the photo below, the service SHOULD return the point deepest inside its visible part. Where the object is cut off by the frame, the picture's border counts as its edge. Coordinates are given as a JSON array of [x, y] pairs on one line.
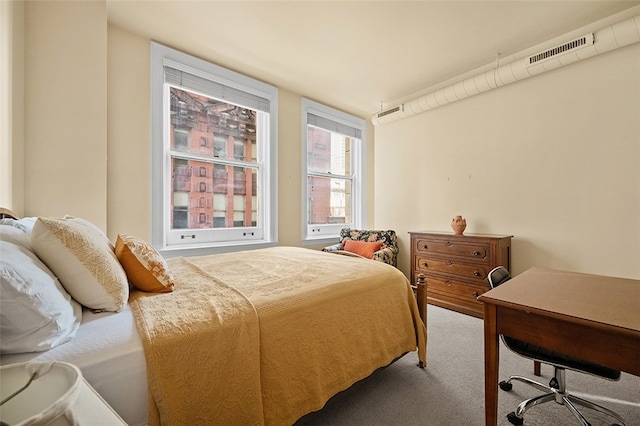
[[254, 337]]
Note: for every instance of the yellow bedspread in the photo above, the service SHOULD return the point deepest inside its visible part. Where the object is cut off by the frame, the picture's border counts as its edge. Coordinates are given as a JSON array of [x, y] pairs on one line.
[[266, 336]]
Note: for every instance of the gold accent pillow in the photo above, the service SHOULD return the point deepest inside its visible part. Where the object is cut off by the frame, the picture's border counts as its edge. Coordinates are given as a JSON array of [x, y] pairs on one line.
[[145, 267], [83, 259]]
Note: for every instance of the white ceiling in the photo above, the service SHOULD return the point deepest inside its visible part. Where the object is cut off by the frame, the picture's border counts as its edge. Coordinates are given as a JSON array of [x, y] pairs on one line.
[[355, 55]]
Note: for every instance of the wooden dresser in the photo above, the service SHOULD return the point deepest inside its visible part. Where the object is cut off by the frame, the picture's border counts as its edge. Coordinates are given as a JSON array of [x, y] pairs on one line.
[[456, 266]]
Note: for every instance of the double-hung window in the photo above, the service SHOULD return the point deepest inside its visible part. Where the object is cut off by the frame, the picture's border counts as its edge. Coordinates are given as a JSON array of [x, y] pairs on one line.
[[214, 138], [333, 171]]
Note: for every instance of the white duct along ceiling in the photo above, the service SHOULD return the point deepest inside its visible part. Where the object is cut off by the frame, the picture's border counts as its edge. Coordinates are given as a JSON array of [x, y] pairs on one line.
[[605, 39]]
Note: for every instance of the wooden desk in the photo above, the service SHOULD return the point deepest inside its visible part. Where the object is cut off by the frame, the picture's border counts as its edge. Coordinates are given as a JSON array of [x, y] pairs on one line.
[[592, 317]]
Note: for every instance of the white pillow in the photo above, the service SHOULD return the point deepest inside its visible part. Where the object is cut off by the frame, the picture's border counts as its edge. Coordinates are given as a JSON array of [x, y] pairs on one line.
[[84, 261], [15, 235], [36, 313], [25, 224]]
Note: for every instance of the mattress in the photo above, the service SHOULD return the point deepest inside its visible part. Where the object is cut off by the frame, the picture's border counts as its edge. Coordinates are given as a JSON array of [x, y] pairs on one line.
[[108, 350]]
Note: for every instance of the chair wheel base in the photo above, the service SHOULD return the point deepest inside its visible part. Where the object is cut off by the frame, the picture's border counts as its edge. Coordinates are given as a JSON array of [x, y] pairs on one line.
[[514, 420], [506, 386]]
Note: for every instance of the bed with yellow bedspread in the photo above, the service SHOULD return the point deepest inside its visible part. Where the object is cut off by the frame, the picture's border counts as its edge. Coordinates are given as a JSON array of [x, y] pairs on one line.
[[267, 336]]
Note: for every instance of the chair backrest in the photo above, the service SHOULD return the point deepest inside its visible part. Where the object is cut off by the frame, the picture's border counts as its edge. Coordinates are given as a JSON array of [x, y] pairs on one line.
[[388, 237], [498, 275]]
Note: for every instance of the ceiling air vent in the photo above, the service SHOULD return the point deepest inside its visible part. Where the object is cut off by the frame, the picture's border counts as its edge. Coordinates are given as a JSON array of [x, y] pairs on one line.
[[586, 40], [391, 111]]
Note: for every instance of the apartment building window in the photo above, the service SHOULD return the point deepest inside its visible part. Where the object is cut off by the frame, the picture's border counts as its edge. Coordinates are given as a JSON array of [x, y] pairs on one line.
[[234, 178], [333, 171]]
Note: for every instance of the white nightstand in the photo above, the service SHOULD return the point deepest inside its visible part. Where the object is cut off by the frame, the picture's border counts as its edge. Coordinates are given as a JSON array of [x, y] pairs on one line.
[[57, 392]]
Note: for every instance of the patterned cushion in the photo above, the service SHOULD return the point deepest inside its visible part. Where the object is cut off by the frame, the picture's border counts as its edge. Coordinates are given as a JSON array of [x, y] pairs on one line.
[[84, 261], [388, 237], [145, 267]]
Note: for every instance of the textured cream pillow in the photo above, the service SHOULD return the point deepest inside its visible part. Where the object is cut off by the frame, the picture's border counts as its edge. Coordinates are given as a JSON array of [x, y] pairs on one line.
[[145, 267], [84, 261]]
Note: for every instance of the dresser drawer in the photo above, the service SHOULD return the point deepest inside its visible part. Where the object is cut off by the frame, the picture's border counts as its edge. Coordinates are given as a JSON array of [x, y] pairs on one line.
[[479, 251], [454, 295], [468, 292], [451, 267]]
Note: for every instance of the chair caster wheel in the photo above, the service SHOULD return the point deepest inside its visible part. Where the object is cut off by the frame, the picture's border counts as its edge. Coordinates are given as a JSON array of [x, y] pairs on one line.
[[506, 386], [514, 420]]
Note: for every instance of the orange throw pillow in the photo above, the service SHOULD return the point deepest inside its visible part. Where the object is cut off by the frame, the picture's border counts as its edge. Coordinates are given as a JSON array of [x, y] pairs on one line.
[[363, 248], [145, 267]]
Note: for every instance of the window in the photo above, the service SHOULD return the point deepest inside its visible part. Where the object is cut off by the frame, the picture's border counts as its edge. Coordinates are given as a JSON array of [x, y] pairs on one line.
[[211, 195], [333, 171]]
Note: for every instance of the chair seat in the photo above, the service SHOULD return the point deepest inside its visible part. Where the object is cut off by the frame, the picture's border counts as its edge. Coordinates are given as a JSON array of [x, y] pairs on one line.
[[555, 358]]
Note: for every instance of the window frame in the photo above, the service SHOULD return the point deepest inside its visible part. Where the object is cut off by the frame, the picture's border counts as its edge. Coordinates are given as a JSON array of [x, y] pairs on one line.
[[215, 239], [328, 233]]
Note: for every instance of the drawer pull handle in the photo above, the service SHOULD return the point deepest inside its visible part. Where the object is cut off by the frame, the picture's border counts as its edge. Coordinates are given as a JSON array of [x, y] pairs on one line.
[[476, 253], [476, 273], [475, 294], [449, 283], [449, 243], [425, 247]]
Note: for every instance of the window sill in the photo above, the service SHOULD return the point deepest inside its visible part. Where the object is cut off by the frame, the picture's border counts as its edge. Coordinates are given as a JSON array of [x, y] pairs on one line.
[[324, 241], [200, 251]]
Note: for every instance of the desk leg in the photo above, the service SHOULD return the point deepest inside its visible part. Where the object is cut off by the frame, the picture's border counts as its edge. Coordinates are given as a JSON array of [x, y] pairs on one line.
[[491, 361]]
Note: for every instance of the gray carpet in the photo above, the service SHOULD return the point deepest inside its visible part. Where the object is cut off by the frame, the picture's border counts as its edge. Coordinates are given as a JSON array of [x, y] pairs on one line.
[[450, 391]]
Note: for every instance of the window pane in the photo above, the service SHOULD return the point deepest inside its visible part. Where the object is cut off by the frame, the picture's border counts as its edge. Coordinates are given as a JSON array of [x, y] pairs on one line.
[[328, 152], [208, 195], [329, 200], [196, 120]]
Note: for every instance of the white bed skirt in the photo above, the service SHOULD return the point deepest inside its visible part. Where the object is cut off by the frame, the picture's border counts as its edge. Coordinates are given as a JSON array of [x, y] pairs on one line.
[[108, 350]]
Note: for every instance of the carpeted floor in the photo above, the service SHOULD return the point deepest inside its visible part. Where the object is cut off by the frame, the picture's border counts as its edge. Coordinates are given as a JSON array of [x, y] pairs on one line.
[[450, 391]]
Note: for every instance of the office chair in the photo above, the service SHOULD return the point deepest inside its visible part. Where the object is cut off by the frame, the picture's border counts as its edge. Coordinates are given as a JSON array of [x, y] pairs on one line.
[[556, 390]]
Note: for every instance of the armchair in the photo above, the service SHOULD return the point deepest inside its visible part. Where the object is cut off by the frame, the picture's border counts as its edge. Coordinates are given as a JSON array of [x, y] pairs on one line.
[[387, 254]]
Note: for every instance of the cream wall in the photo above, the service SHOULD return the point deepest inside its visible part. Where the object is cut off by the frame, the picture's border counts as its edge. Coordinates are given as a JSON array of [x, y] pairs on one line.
[[129, 136], [86, 101], [560, 151], [553, 160], [12, 106], [65, 110], [129, 145]]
